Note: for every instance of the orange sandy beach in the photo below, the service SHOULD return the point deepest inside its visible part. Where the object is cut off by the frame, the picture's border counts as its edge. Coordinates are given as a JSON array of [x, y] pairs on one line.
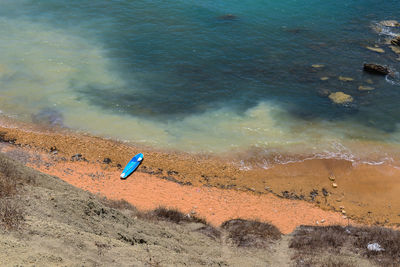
[[286, 195]]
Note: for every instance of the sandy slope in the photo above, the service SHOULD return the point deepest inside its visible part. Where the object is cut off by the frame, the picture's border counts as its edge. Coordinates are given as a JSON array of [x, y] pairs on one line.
[[66, 226]]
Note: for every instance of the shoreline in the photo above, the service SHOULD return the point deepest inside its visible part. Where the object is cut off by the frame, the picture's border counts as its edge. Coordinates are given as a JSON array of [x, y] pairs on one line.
[[365, 193]]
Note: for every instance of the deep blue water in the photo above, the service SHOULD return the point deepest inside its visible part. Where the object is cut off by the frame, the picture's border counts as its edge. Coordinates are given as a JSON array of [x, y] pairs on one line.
[[176, 59]]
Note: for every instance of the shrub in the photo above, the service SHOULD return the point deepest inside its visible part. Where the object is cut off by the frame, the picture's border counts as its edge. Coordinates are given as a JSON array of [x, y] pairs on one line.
[[10, 211], [174, 216], [310, 238], [121, 204], [8, 186], [250, 233], [10, 214]]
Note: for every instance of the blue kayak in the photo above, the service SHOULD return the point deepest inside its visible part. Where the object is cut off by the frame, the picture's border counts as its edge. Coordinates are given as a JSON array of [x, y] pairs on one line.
[[132, 165]]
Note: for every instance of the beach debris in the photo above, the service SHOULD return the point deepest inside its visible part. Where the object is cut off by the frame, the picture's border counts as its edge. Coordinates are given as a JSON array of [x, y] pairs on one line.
[[389, 23], [323, 220], [345, 79], [107, 160], [365, 88], [375, 49], [375, 247], [331, 177], [376, 69], [317, 66], [344, 212], [395, 41], [340, 98], [334, 185], [325, 78], [395, 49]]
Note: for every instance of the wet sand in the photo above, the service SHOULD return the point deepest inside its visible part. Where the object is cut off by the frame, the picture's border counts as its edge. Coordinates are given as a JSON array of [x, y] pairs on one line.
[[285, 194]]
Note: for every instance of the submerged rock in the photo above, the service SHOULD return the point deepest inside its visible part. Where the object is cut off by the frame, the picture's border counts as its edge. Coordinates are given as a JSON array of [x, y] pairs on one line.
[[376, 49], [340, 98], [228, 17], [395, 49], [317, 66], [370, 81], [365, 88], [48, 116], [345, 79], [376, 69], [389, 23], [395, 41], [324, 92]]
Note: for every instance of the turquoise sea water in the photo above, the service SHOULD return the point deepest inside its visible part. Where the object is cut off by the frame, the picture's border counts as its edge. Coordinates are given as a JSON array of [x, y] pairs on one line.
[[206, 76]]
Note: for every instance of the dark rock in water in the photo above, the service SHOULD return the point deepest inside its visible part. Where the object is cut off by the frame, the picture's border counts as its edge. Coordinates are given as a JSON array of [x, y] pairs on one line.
[[395, 41], [324, 92], [376, 69], [48, 116], [107, 160], [228, 17]]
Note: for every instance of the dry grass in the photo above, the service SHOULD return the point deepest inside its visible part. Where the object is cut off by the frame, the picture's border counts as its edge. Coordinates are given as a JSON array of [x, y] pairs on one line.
[[330, 261], [310, 238], [311, 241], [388, 239], [249, 233], [10, 212], [164, 214], [119, 204], [175, 216]]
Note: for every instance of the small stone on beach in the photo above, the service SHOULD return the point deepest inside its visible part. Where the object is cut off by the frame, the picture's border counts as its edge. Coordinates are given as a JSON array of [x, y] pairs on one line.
[[334, 185]]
